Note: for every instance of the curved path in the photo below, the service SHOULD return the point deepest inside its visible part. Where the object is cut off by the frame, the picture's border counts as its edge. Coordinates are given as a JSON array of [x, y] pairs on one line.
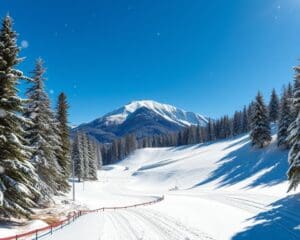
[[127, 224]]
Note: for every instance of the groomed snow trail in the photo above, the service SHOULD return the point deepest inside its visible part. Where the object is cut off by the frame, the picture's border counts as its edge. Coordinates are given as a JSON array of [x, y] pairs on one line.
[[132, 224]]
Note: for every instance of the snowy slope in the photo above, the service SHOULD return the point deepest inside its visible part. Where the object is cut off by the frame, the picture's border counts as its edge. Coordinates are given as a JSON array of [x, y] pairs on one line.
[[223, 190], [144, 118]]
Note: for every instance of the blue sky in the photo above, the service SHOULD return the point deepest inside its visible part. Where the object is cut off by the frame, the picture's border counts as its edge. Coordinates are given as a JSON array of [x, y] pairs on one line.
[[206, 56]]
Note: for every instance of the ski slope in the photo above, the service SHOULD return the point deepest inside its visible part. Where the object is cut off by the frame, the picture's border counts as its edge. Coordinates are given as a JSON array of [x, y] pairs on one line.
[[222, 190]]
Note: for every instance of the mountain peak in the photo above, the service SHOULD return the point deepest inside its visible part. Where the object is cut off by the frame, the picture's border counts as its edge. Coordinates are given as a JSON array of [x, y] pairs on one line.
[[144, 118], [169, 112]]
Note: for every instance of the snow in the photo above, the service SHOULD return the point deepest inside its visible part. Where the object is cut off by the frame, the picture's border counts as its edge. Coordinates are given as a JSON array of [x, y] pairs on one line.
[[2, 113], [6, 230], [222, 190], [168, 112]]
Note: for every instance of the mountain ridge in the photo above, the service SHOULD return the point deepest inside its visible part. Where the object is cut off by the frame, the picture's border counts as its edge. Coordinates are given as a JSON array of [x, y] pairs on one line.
[[143, 118]]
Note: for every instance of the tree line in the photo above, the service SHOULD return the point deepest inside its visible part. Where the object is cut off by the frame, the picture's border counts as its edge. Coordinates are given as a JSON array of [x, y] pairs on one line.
[[86, 157], [34, 139], [119, 149]]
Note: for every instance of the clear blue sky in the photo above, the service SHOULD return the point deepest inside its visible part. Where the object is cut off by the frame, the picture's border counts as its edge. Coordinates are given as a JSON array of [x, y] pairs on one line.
[[206, 56]]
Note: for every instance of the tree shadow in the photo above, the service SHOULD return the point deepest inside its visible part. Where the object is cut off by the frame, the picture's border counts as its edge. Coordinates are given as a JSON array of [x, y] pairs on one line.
[[281, 222], [243, 140], [193, 146], [245, 162]]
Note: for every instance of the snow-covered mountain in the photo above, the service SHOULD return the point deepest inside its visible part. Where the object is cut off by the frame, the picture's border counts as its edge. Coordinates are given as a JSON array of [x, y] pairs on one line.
[[166, 111], [143, 118]]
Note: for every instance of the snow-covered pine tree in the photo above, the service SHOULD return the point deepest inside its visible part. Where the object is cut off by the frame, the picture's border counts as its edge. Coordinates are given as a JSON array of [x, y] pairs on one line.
[[99, 155], [77, 156], [290, 93], [114, 151], [144, 143], [199, 136], [63, 132], [237, 123], [226, 127], [285, 119], [92, 160], [260, 125], [210, 130], [192, 134], [274, 107], [180, 138], [245, 121], [250, 111], [42, 133], [121, 148], [217, 127], [18, 180], [85, 153], [294, 137], [131, 144]]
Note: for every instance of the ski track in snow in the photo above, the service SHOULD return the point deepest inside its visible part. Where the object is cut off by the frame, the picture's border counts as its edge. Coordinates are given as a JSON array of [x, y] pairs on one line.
[[131, 224]]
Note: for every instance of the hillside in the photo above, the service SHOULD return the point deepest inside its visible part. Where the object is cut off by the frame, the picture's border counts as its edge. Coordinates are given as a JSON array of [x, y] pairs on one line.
[[144, 118], [222, 190]]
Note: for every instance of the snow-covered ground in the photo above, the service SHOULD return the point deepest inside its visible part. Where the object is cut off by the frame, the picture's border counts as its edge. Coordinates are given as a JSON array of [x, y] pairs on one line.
[[221, 190]]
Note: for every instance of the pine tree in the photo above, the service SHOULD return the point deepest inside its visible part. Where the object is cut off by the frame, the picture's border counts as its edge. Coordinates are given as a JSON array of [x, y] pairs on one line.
[[115, 151], [130, 144], [290, 94], [245, 121], [42, 134], [121, 148], [294, 137], [92, 160], [18, 180], [199, 136], [192, 135], [77, 156], [273, 107], [180, 139], [237, 123], [250, 111], [285, 119], [210, 130], [63, 132], [85, 154], [99, 155], [185, 136], [260, 126]]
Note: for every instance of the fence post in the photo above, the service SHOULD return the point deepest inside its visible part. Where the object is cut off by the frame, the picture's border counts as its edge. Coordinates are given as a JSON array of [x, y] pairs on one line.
[[36, 234], [51, 229], [16, 237]]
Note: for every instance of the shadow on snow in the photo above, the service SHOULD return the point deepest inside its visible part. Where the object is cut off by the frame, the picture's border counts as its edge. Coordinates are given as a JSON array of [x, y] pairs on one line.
[[279, 223], [245, 162]]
